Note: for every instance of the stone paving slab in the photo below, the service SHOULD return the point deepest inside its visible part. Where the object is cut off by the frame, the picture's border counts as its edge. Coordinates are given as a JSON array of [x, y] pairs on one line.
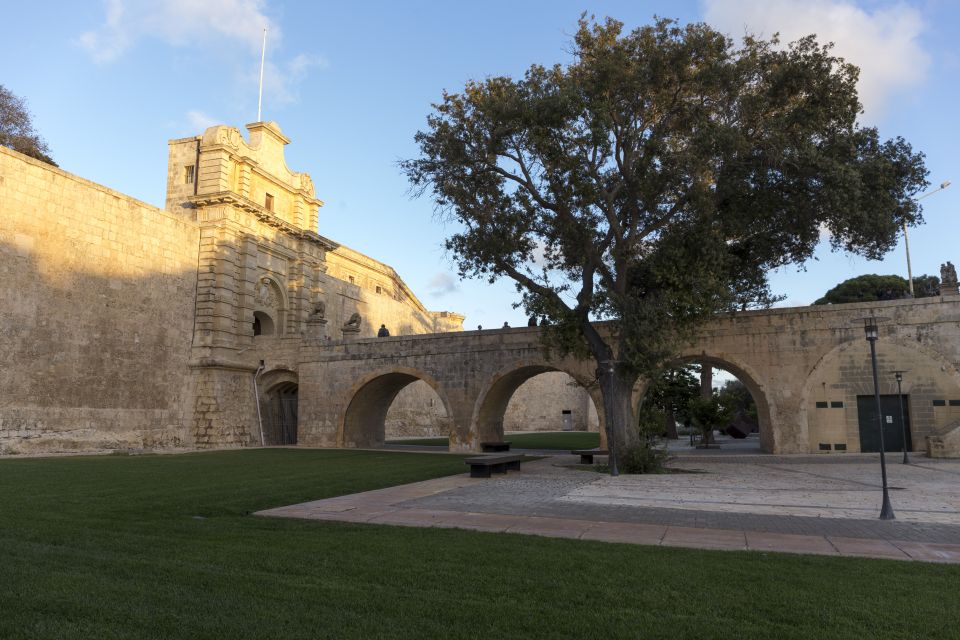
[[715, 509]]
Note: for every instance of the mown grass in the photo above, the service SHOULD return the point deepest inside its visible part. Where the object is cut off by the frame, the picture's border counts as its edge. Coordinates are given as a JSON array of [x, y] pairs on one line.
[[536, 440], [163, 547]]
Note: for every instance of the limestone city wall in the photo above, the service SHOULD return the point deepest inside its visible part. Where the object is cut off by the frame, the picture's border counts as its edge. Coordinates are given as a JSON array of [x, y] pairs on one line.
[[96, 313]]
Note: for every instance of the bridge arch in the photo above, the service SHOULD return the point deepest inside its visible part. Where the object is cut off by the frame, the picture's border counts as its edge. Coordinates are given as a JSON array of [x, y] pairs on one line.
[[369, 399], [486, 423], [769, 438]]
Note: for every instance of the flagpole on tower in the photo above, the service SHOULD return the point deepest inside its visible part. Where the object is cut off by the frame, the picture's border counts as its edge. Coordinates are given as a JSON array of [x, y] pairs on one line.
[[263, 55]]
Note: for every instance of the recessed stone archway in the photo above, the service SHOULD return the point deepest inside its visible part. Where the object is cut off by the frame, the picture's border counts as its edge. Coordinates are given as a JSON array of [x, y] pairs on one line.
[[492, 401], [279, 407], [363, 422], [749, 378], [829, 399]]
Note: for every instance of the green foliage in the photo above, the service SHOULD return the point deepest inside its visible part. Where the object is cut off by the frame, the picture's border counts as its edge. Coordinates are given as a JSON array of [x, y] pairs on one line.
[[645, 457], [735, 395], [655, 181], [668, 395], [16, 128], [872, 287], [709, 413]]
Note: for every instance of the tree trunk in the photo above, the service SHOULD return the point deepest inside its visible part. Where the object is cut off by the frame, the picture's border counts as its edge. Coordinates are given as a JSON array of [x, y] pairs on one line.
[[621, 421], [670, 424]]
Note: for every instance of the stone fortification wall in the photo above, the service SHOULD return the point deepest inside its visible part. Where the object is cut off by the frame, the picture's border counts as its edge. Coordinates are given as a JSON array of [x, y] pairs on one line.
[[97, 294], [378, 293], [540, 402]]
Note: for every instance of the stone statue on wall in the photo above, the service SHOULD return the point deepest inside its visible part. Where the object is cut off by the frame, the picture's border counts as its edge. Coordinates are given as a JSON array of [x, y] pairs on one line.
[[948, 274], [948, 280], [319, 310], [354, 321]]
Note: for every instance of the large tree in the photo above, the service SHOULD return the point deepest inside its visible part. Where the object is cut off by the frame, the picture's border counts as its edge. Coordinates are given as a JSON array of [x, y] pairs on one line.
[[872, 287], [16, 128], [654, 181]]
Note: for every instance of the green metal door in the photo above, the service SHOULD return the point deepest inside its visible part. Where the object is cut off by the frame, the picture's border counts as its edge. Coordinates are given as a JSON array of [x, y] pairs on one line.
[[892, 428]]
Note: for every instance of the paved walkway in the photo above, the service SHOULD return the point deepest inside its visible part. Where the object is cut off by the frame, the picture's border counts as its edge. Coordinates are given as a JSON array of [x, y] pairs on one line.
[[805, 504]]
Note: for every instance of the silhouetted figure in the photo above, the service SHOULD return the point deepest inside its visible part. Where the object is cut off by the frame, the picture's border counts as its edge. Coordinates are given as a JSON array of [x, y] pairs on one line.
[[479, 328], [383, 332], [532, 322], [506, 325]]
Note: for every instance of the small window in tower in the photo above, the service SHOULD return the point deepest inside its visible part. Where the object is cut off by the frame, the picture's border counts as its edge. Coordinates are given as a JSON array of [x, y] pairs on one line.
[[188, 174], [351, 279], [269, 202], [379, 290]]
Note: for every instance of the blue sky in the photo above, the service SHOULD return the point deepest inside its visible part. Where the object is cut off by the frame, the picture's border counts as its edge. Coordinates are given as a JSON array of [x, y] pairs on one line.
[[110, 82]]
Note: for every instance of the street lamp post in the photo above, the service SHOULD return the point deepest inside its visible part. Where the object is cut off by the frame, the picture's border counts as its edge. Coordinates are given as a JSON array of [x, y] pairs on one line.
[[906, 239], [903, 424], [606, 366], [872, 332]]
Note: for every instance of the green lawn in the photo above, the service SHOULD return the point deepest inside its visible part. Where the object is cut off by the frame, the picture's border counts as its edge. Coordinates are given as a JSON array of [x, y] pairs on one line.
[[162, 547], [534, 440]]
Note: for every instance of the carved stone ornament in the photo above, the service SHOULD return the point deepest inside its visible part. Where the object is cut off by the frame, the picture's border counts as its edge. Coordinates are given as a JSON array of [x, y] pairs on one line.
[[354, 322], [319, 310], [229, 136], [306, 183], [266, 296]]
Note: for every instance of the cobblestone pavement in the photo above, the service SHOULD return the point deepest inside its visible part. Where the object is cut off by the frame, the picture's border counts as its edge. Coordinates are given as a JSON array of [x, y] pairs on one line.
[[802, 504]]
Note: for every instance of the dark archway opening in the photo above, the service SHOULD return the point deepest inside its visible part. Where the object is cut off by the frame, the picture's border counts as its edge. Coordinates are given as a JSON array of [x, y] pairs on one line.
[[262, 324], [280, 415]]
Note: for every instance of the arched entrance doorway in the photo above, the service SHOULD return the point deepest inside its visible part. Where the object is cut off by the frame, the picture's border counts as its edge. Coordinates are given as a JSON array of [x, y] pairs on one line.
[[279, 398], [280, 419]]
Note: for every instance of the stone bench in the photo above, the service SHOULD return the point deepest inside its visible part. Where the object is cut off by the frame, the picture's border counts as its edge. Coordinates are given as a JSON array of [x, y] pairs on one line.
[[586, 455], [488, 447], [482, 466]]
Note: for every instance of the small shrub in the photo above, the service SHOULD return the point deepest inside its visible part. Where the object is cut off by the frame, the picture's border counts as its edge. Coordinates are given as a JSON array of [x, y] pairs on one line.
[[643, 458]]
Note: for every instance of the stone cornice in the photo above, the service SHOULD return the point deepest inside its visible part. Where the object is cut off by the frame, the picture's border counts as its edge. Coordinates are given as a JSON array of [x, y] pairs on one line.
[[263, 214]]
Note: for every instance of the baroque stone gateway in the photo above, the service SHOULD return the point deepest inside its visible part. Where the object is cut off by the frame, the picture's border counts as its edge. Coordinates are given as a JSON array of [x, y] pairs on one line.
[[225, 319]]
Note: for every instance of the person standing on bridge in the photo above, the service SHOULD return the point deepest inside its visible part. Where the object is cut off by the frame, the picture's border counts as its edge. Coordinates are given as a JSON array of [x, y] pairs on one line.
[[383, 332]]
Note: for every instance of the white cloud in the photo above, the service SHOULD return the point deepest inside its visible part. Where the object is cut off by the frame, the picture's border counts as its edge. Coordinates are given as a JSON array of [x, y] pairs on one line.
[[441, 284], [198, 24], [199, 121], [882, 42], [112, 39], [179, 23]]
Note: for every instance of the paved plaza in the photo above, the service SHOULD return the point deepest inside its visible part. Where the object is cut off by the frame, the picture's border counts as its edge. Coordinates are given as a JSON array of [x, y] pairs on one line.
[[796, 504]]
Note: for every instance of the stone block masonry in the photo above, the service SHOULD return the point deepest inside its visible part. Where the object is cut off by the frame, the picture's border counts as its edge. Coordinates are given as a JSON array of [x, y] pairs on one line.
[[97, 294]]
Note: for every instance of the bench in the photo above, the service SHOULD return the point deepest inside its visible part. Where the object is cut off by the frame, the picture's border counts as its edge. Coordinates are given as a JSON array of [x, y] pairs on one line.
[[482, 466], [586, 455], [492, 447]]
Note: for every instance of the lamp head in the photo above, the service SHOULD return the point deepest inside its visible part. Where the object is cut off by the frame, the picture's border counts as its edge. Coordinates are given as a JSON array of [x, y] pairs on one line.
[[899, 376]]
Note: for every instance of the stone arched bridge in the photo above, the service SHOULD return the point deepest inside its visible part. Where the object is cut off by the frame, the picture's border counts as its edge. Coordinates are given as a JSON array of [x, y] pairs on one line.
[[806, 367]]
